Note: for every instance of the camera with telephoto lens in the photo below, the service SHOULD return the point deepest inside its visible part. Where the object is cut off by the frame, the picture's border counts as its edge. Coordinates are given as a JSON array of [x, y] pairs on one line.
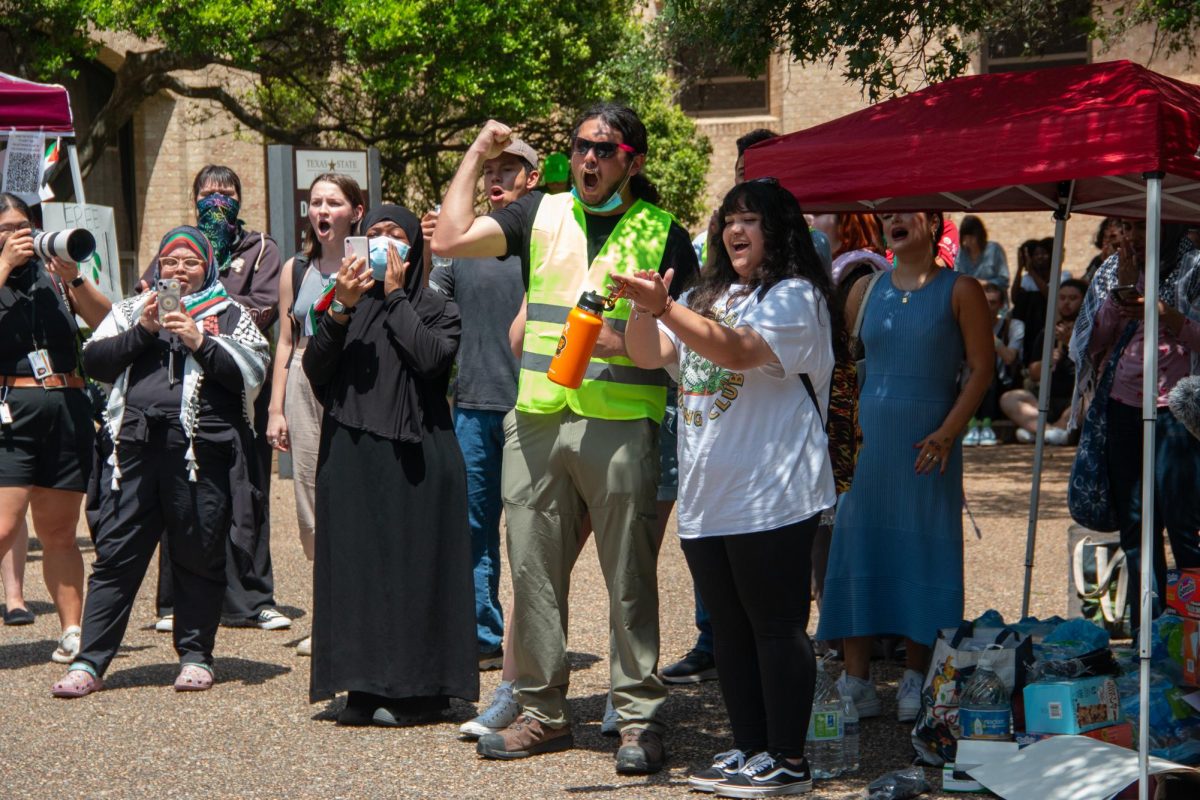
[[72, 244]]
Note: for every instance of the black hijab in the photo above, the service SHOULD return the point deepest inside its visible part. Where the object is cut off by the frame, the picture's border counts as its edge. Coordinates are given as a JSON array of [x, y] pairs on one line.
[[376, 388]]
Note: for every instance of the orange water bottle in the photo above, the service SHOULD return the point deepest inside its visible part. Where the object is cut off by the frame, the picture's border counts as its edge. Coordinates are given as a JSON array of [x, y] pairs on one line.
[[577, 340]]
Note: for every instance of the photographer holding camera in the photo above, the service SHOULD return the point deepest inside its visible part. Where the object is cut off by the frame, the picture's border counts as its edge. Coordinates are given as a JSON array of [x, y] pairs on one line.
[[46, 429]]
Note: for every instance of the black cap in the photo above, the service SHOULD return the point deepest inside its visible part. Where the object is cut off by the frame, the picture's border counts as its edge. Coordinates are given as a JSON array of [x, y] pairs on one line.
[[592, 302]]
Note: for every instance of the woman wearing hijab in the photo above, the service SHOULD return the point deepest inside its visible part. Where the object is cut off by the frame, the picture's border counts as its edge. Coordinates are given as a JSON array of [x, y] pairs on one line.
[[393, 597], [249, 267], [179, 417]]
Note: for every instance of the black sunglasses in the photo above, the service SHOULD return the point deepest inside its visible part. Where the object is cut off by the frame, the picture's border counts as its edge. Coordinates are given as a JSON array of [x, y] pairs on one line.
[[603, 150]]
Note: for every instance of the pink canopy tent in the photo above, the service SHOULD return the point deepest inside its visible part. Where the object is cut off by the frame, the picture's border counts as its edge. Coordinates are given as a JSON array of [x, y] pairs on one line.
[[1003, 143], [29, 106], [1112, 138]]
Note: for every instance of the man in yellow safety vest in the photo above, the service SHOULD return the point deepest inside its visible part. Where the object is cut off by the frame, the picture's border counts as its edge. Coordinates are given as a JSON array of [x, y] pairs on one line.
[[587, 451]]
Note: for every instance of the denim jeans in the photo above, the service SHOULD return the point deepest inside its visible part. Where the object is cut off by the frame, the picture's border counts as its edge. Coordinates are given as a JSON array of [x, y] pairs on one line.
[[1176, 500], [481, 437]]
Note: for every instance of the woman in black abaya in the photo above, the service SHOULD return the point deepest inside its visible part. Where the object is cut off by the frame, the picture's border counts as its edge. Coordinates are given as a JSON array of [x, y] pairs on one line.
[[393, 597]]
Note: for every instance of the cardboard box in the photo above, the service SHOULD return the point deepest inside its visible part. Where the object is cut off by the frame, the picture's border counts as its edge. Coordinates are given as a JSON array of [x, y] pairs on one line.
[[1191, 652], [1071, 706], [972, 753], [1183, 592], [1120, 734]]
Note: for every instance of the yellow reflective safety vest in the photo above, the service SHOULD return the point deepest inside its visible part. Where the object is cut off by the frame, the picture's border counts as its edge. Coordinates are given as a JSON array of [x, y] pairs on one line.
[[613, 388]]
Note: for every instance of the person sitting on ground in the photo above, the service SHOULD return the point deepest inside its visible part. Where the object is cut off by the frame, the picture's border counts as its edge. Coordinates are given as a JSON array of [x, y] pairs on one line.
[[1021, 405], [760, 321], [1010, 343], [978, 257], [185, 370]]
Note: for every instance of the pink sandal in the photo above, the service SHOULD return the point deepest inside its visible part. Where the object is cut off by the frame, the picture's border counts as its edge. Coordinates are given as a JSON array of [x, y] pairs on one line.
[[77, 683], [194, 678]]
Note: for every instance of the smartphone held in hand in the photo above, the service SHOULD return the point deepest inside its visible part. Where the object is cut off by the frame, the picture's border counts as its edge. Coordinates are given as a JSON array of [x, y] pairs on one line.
[[169, 296], [1126, 294], [357, 247]]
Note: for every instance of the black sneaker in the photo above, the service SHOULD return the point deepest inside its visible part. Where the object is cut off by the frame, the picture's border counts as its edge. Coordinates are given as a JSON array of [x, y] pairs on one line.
[[724, 766], [696, 666], [766, 775]]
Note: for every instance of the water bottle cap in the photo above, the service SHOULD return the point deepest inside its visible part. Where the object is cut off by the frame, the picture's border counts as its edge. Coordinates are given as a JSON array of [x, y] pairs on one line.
[[592, 301]]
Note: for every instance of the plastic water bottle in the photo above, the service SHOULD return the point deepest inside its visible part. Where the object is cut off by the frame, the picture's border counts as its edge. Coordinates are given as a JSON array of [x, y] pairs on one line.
[[849, 735], [985, 711], [825, 729], [440, 261]]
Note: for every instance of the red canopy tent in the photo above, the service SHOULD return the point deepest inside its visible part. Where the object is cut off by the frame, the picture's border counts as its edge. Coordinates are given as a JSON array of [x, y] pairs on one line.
[[28, 106], [1003, 143], [1112, 138]]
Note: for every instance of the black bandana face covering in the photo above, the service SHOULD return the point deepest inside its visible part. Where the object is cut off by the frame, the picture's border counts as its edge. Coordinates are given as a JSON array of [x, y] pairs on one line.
[[217, 217]]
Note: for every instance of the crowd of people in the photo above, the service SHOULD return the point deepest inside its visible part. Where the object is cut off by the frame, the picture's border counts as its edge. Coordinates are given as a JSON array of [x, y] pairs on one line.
[[797, 389]]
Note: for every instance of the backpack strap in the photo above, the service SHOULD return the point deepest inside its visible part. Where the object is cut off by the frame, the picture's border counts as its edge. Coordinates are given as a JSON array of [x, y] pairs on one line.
[[299, 267], [812, 393], [862, 305]]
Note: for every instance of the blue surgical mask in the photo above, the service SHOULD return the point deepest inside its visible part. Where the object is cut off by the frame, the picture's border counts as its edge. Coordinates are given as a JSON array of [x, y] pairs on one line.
[[377, 254], [612, 203]]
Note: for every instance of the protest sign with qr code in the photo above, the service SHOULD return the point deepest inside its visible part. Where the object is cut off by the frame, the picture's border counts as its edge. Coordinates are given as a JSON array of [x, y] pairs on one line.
[[23, 165]]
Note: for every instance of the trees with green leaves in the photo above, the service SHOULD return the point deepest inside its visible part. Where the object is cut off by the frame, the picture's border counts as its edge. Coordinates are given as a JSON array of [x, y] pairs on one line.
[[889, 46], [414, 78]]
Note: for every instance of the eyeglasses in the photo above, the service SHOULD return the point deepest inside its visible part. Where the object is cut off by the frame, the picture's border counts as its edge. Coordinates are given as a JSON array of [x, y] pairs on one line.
[[177, 263], [603, 150]]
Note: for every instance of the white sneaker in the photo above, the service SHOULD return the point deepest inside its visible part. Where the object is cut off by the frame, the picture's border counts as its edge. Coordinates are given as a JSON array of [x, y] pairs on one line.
[[499, 715], [271, 620], [1057, 436], [166, 624], [987, 437], [866, 699], [305, 647], [908, 698], [972, 437], [611, 724], [1024, 436], [68, 646]]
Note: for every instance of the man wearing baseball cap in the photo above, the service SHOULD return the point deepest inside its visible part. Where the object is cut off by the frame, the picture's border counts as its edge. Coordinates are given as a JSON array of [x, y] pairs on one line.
[[488, 292], [591, 450]]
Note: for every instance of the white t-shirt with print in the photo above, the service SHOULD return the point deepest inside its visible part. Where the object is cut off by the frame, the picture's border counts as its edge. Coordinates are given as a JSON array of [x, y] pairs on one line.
[[753, 454]]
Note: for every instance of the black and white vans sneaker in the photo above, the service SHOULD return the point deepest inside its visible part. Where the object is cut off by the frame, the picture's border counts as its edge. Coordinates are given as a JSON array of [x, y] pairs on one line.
[[724, 766], [767, 775]]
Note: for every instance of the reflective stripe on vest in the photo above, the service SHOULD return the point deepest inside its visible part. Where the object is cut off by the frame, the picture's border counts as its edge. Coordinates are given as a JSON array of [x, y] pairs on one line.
[[613, 388]]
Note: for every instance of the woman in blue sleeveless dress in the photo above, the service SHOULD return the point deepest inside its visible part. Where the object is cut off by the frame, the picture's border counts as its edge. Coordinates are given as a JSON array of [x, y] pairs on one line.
[[896, 563]]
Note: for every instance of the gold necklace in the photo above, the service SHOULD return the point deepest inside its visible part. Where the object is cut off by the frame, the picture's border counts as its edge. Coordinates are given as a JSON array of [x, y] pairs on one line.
[[908, 292]]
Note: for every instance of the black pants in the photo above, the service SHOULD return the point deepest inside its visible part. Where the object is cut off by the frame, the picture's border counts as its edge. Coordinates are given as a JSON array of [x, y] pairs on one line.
[[1176, 495], [250, 581], [756, 587], [156, 495]]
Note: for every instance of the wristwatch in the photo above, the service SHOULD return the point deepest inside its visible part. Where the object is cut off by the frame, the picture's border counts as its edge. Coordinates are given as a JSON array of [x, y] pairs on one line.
[[78, 281], [338, 307]]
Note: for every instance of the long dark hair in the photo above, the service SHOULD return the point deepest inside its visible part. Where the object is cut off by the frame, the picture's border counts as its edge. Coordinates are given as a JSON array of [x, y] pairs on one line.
[[353, 194], [787, 244], [633, 133]]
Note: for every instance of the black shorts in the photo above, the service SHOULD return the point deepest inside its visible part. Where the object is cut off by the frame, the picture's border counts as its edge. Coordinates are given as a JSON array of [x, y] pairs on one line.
[[49, 443]]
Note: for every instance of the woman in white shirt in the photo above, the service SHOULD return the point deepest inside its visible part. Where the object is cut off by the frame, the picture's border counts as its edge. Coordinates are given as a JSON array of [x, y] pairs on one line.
[[751, 347]]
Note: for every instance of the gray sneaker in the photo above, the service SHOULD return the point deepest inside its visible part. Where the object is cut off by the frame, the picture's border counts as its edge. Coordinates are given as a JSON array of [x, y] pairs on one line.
[[499, 715]]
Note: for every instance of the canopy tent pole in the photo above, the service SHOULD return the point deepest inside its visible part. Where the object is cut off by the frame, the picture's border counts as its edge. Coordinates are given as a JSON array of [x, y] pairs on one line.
[[1065, 191], [1149, 413], [76, 177]]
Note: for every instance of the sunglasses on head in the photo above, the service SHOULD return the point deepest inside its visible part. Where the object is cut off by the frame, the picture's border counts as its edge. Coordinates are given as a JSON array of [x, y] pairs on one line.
[[603, 150]]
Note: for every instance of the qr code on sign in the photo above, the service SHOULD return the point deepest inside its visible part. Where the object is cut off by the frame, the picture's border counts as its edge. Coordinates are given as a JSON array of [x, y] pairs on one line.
[[22, 172]]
